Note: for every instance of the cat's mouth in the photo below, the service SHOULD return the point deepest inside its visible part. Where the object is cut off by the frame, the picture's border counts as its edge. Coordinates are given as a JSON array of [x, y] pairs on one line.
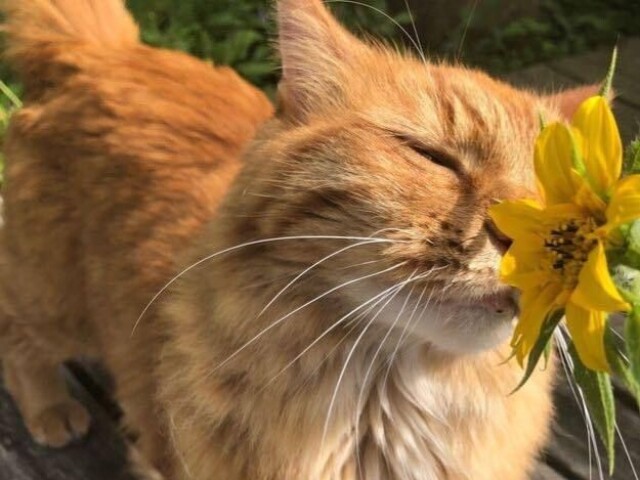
[[503, 302]]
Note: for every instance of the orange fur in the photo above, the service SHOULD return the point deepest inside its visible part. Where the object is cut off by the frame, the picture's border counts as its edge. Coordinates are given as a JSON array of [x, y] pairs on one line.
[[119, 156], [293, 393], [122, 154]]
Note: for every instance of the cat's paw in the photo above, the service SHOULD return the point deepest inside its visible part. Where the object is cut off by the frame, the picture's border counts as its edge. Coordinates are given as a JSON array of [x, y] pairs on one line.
[[60, 424]]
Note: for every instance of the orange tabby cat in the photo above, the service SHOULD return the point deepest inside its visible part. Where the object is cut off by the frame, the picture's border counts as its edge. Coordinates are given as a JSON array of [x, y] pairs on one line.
[[344, 318], [119, 156]]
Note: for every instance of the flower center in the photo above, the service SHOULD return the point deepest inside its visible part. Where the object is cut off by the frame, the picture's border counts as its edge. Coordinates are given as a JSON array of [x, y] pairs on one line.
[[568, 246]]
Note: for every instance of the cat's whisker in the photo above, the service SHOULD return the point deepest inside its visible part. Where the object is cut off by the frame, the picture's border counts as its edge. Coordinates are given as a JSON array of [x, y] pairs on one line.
[[296, 310], [379, 298], [239, 247], [350, 355], [618, 431], [415, 45], [590, 427], [421, 316], [352, 325], [385, 230], [404, 333], [372, 363], [627, 454], [174, 443], [620, 352], [415, 31], [466, 29], [316, 264], [563, 353], [362, 264], [616, 333], [403, 340], [442, 292]]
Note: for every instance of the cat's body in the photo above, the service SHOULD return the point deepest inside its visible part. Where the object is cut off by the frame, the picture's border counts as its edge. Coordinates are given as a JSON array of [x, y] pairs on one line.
[[385, 360], [329, 378], [121, 153]]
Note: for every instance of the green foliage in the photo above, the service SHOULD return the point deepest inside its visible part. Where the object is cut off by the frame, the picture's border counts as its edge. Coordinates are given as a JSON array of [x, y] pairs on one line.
[[562, 27], [632, 337], [632, 158], [241, 33], [605, 88], [542, 346], [616, 347], [9, 102]]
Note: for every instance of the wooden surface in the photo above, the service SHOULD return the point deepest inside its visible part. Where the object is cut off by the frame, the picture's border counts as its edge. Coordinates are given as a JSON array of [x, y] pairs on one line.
[[101, 456]]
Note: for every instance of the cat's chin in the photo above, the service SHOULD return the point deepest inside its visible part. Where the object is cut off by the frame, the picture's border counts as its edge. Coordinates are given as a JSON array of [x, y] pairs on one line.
[[464, 326]]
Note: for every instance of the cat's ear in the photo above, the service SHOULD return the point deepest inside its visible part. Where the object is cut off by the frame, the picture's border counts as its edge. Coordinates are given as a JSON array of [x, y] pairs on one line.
[[568, 101], [315, 51]]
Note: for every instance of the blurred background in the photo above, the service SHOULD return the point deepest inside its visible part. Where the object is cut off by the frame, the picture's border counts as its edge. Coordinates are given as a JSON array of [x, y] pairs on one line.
[[497, 35]]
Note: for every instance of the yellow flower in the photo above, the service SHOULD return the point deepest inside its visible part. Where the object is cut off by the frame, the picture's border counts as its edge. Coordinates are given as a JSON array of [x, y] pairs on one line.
[[557, 258]]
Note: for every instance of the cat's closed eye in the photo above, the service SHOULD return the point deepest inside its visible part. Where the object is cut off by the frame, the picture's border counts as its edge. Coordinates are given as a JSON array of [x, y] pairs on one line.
[[431, 154]]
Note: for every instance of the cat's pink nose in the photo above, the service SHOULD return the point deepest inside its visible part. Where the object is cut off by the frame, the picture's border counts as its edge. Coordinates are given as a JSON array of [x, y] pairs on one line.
[[499, 239]]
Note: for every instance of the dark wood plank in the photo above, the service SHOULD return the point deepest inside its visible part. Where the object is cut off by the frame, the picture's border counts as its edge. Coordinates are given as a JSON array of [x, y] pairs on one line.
[[568, 450], [591, 67], [543, 78], [100, 456], [546, 472]]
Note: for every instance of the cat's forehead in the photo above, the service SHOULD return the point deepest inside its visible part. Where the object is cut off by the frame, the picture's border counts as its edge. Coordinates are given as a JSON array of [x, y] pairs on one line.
[[453, 93], [452, 107]]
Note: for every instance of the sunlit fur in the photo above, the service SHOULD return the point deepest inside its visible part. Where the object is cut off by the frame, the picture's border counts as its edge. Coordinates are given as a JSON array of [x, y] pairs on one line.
[[288, 393], [119, 156], [123, 152]]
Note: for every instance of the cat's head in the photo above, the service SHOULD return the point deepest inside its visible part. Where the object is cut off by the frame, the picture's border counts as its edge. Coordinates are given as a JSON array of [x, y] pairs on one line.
[[372, 142]]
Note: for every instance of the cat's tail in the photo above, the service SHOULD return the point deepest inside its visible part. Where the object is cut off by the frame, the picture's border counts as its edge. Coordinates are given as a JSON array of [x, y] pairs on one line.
[[43, 35]]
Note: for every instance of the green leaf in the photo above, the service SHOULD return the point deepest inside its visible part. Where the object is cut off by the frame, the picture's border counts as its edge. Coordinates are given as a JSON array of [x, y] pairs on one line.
[[632, 158], [542, 346], [632, 339], [548, 349], [627, 279], [598, 394], [619, 364], [631, 256], [7, 92], [605, 90], [257, 69], [576, 158]]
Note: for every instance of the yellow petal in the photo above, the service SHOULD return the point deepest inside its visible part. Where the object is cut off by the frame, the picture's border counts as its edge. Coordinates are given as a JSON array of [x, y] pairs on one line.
[[525, 219], [624, 206], [588, 199], [517, 218], [600, 143], [520, 266], [587, 329], [535, 305], [596, 290], [553, 163]]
